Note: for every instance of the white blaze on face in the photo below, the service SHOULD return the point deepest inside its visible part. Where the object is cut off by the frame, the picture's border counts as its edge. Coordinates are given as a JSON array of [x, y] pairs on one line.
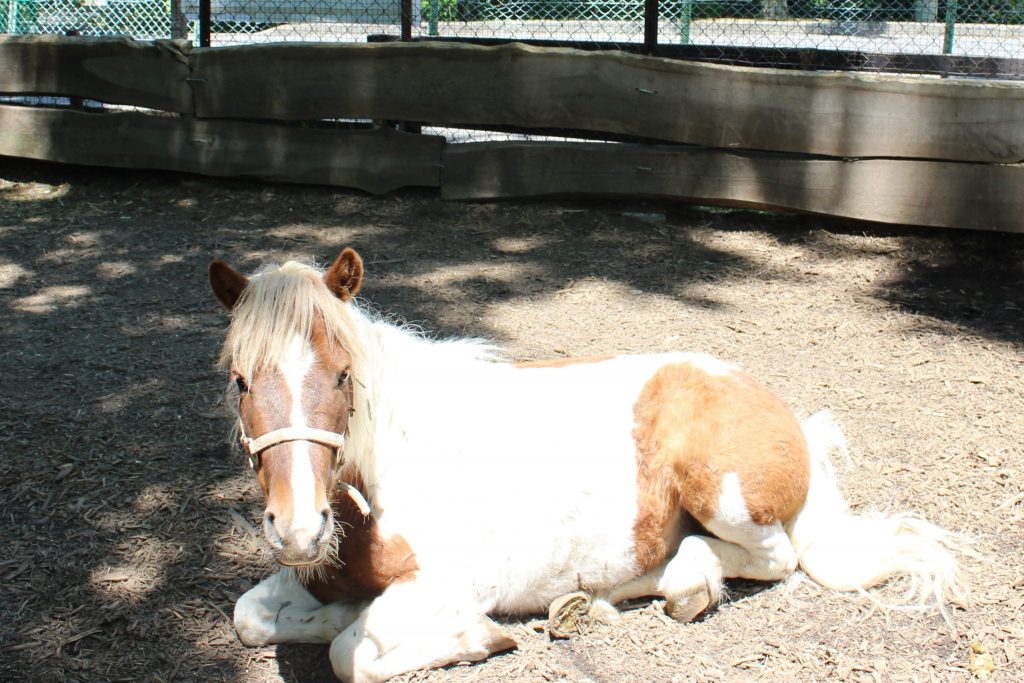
[[306, 520]]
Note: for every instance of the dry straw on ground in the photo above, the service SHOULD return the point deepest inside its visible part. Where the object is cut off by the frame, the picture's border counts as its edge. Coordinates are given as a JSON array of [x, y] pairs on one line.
[[129, 526]]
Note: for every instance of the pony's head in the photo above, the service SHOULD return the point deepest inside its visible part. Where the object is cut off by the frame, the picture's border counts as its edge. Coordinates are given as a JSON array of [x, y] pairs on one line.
[[290, 354]]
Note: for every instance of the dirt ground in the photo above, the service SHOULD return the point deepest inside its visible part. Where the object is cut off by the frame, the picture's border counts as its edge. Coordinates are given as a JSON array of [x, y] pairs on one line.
[[128, 524]]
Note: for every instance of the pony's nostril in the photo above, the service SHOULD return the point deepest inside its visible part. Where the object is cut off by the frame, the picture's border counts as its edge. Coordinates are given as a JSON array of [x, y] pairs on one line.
[[270, 529], [325, 519]]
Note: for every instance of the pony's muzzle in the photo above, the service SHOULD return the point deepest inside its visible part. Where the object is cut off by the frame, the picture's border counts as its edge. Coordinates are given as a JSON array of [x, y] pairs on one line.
[[297, 543]]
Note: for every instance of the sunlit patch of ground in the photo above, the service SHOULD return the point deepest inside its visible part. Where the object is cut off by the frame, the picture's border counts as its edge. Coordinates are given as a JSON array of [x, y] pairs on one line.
[[131, 527]]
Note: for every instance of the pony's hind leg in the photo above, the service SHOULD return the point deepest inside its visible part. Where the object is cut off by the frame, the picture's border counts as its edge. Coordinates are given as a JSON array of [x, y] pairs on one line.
[[280, 610], [692, 580]]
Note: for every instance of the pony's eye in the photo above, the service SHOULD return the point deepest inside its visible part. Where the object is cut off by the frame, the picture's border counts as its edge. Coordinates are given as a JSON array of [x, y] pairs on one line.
[[343, 378], [242, 386]]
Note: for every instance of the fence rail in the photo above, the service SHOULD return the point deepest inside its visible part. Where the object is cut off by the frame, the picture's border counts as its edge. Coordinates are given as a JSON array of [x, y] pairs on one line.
[[151, 74], [875, 147], [978, 33], [375, 161], [915, 192], [821, 113]]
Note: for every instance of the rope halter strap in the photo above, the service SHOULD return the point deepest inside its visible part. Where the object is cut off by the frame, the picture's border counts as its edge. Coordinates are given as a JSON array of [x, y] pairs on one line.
[[253, 447]]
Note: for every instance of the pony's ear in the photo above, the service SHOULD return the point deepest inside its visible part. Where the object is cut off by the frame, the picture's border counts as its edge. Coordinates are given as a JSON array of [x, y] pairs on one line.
[[345, 276], [227, 283]]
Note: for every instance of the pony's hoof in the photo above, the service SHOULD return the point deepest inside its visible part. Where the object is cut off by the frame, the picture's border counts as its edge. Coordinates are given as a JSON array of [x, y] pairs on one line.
[[685, 609], [603, 612], [569, 614]]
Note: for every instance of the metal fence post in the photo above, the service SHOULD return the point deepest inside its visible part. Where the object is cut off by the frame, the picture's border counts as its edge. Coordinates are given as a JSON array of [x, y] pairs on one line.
[[406, 28], [433, 10], [205, 19], [947, 42], [651, 26]]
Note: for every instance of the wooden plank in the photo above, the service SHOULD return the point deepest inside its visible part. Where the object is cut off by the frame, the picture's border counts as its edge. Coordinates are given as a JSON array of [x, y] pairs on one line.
[[804, 59], [149, 74], [834, 114], [930, 193], [373, 160]]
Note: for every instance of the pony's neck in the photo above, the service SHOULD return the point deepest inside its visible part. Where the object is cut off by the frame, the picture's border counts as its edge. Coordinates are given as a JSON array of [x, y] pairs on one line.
[[382, 348], [397, 365]]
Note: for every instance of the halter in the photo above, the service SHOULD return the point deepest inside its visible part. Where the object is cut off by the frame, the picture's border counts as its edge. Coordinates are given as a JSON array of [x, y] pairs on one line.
[[253, 447], [256, 445]]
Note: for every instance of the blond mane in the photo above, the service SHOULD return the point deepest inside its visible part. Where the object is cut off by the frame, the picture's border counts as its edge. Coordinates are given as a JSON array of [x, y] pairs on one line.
[[280, 303]]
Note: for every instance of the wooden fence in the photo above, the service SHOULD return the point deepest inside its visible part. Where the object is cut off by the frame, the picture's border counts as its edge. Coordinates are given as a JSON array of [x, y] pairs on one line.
[[904, 150]]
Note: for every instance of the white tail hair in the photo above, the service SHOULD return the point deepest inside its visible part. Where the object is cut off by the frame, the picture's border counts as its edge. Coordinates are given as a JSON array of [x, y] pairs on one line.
[[849, 552]]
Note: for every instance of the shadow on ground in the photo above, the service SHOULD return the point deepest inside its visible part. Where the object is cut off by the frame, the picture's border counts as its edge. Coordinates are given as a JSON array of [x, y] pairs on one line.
[[124, 556]]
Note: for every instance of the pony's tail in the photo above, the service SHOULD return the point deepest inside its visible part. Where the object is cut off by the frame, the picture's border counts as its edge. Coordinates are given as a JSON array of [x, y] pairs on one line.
[[849, 552]]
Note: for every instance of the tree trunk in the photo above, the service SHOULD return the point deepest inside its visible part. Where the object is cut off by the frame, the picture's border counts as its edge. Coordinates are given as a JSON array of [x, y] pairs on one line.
[[775, 9]]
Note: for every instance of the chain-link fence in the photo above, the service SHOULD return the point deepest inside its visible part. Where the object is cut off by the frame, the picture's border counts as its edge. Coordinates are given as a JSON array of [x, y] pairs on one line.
[[979, 29], [137, 18]]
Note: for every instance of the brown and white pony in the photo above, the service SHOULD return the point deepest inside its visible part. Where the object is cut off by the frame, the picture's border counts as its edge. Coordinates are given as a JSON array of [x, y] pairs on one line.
[[389, 462]]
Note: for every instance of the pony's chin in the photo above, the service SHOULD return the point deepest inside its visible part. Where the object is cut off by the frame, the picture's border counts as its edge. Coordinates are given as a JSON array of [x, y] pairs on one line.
[[305, 563]]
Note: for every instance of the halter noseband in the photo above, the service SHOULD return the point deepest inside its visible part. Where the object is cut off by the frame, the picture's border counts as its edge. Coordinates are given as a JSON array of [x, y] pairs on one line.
[[253, 447]]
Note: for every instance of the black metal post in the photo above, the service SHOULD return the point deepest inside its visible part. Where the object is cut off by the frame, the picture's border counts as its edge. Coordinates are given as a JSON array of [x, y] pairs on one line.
[[406, 20], [406, 9], [651, 27], [205, 19]]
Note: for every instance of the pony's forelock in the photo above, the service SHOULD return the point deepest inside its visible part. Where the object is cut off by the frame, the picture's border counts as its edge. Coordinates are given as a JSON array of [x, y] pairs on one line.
[[279, 304]]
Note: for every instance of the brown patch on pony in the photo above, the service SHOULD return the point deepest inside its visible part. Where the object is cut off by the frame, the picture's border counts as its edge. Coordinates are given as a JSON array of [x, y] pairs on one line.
[[691, 429], [561, 362], [345, 276], [366, 563]]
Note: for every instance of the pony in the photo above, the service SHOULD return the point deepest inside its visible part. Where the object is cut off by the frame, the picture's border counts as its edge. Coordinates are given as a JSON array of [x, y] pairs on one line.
[[416, 487]]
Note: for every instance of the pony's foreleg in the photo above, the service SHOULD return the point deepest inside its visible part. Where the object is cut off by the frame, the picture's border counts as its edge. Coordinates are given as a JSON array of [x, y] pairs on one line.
[[413, 627], [280, 610]]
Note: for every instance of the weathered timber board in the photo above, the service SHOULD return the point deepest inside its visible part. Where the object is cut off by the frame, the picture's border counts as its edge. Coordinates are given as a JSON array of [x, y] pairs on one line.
[[805, 59], [115, 70], [833, 114], [373, 160], [930, 193]]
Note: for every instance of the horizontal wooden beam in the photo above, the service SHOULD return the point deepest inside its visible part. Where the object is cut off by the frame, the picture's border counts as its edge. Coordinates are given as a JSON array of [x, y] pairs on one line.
[[833, 114], [930, 193], [800, 58], [377, 161], [150, 74]]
